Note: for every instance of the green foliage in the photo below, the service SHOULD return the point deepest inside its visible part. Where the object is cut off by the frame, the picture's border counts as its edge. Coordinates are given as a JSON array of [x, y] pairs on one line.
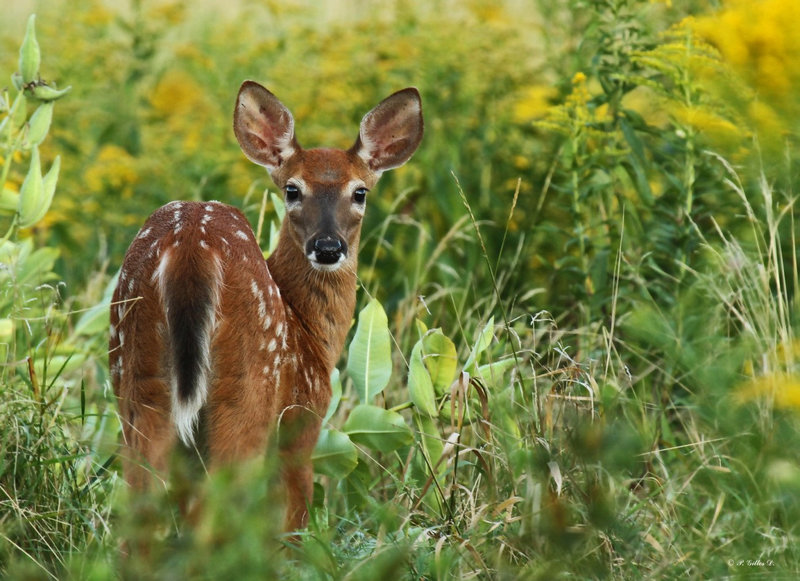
[[576, 352]]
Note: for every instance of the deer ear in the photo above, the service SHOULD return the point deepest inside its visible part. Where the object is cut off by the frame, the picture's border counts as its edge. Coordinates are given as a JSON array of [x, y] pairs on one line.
[[391, 132], [263, 126]]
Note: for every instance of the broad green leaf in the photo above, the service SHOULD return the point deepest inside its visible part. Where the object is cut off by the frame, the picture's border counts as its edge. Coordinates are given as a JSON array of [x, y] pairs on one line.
[[493, 373], [422, 328], [441, 359], [484, 340], [420, 386], [280, 207], [94, 321], [334, 455], [37, 267], [432, 442], [336, 395], [377, 428], [369, 362]]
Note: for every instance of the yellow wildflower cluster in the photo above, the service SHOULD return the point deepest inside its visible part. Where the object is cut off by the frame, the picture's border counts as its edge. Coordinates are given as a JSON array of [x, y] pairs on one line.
[[779, 384], [577, 116], [181, 102], [759, 39], [533, 102], [114, 169]]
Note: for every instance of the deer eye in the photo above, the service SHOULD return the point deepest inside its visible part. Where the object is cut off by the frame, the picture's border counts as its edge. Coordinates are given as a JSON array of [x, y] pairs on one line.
[[292, 193], [360, 195]]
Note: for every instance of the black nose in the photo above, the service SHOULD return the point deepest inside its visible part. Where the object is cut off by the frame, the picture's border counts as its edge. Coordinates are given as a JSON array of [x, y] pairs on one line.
[[328, 250]]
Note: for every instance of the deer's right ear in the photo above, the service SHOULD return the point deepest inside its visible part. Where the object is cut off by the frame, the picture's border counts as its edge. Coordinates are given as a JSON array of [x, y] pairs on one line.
[[263, 126]]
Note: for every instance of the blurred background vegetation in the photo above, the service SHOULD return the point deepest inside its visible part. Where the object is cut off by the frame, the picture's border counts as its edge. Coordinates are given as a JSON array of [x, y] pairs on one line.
[[609, 182]]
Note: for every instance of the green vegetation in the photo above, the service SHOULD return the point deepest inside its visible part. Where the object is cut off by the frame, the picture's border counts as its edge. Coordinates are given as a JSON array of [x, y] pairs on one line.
[[574, 354]]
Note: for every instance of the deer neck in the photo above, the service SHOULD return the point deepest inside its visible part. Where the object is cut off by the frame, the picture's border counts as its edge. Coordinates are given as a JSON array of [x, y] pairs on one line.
[[323, 302]]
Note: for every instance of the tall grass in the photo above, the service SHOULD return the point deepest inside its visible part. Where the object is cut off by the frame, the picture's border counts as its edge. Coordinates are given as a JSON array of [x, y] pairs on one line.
[[584, 225]]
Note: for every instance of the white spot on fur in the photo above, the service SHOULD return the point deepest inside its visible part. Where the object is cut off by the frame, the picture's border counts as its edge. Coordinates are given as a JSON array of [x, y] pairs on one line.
[[272, 345], [242, 234], [203, 244], [266, 370], [121, 338], [112, 330], [258, 294], [158, 273], [144, 233]]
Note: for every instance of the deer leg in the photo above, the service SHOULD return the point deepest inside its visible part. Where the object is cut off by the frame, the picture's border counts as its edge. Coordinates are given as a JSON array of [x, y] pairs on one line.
[[238, 420], [299, 431], [147, 433]]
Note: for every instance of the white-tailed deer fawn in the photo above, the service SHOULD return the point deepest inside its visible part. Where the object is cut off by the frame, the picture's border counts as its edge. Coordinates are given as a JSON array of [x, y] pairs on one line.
[[202, 325]]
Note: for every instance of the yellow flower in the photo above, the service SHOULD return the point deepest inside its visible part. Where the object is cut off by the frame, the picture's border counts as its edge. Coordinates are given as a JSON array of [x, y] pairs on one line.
[[782, 388], [114, 169], [534, 102]]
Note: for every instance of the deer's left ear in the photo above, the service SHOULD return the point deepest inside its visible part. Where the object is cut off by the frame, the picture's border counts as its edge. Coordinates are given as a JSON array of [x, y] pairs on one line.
[[391, 132]]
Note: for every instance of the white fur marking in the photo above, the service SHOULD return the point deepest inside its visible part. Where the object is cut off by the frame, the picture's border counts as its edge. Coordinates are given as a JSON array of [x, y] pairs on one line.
[[185, 414], [241, 234]]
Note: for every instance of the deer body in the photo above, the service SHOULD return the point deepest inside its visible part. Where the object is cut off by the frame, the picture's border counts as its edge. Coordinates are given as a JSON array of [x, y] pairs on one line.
[[203, 326]]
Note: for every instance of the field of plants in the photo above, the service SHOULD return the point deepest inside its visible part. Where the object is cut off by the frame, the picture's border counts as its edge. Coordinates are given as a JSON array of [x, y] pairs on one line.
[[573, 354]]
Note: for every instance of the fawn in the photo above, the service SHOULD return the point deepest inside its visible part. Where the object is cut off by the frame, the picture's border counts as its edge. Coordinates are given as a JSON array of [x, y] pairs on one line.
[[202, 327]]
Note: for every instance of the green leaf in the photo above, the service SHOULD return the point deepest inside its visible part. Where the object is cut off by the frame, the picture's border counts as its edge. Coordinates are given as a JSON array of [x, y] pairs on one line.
[[30, 57], [484, 340], [420, 386], [39, 124], [36, 267], [637, 160], [369, 362], [432, 442], [9, 201], [32, 191], [377, 428], [336, 395], [280, 207], [441, 359], [334, 455], [493, 373]]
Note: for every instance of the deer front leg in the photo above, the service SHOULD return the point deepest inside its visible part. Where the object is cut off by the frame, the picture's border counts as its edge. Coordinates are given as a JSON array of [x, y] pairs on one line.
[[298, 433]]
